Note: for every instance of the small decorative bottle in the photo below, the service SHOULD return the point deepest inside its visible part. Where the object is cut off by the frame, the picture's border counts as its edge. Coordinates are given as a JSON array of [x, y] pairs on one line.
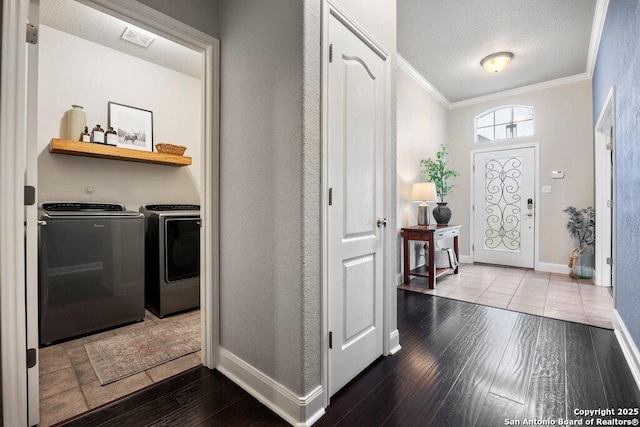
[[97, 135], [112, 136], [86, 136]]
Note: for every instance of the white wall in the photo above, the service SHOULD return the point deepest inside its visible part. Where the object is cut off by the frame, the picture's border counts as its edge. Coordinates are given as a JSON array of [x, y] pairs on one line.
[[75, 71], [564, 131], [422, 127]]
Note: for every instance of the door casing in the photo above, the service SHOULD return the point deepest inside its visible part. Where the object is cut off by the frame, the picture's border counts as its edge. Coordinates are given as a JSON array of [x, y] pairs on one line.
[[390, 338], [605, 218], [13, 143], [536, 238]]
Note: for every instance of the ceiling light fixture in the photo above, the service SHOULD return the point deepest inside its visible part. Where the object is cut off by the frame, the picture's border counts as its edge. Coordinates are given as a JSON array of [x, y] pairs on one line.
[[496, 62], [137, 36]]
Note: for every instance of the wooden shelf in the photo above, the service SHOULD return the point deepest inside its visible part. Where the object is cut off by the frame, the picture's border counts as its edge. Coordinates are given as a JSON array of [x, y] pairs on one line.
[[87, 149]]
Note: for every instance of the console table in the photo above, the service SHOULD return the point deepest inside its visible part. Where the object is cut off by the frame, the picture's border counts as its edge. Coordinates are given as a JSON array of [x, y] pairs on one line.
[[431, 234]]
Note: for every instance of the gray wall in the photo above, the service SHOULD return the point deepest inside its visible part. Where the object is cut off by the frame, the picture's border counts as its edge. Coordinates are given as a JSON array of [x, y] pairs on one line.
[[260, 185], [618, 64], [200, 14], [270, 180]]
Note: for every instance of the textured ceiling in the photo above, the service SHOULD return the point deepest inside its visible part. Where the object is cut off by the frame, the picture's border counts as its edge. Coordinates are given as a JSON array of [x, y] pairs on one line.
[[92, 25], [444, 40]]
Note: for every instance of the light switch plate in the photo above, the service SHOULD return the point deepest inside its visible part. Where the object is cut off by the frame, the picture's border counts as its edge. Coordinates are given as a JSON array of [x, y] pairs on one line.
[[557, 174], [546, 189]]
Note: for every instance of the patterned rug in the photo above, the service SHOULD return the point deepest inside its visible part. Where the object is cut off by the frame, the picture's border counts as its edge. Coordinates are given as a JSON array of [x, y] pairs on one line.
[[125, 355]]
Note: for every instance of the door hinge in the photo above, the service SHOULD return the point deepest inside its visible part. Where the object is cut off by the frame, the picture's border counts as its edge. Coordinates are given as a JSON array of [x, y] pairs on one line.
[[32, 358], [609, 146], [330, 196], [330, 339], [331, 52], [32, 34], [610, 261], [29, 195], [609, 203], [473, 208], [473, 248]]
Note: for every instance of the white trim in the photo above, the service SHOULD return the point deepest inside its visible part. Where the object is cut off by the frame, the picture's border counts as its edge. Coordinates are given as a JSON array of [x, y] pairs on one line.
[[629, 348], [297, 410], [603, 182], [465, 259], [13, 140], [520, 90], [553, 268], [419, 78], [596, 34], [536, 235], [394, 340]]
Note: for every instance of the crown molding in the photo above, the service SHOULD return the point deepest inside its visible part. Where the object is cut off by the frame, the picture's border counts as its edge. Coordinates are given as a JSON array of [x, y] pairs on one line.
[[419, 78], [520, 90], [596, 34]]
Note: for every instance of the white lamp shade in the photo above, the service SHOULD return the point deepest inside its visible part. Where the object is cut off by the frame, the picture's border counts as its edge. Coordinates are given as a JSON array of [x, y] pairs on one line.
[[496, 62], [423, 192]]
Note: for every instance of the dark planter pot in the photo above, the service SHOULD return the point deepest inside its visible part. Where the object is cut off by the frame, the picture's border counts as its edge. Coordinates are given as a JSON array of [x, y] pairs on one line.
[[442, 214]]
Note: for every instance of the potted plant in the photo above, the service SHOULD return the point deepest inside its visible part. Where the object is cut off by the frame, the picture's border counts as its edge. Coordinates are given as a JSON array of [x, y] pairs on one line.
[[581, 226], [437, 171]]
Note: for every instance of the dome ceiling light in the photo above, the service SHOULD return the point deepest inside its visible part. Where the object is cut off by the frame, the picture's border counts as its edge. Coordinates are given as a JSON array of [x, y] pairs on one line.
[[496, 62]]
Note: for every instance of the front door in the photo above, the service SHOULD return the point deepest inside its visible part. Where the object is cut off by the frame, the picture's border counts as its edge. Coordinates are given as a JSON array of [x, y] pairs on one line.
[[504, 207], [356, 87]]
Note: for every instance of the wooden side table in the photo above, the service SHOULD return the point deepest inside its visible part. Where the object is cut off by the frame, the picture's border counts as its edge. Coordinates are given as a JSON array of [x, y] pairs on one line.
[[431, 234]]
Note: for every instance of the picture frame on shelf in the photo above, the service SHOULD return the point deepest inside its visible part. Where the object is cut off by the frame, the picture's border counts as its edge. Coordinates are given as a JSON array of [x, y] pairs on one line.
[[133, 125]]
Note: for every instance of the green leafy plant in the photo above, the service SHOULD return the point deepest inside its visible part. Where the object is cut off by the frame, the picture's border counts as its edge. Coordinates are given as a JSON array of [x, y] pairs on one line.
[[436, 171], [581, 225]]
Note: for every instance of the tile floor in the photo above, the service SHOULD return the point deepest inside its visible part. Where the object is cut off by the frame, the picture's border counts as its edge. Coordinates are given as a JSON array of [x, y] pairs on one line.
[[69, 385], [545, 294]]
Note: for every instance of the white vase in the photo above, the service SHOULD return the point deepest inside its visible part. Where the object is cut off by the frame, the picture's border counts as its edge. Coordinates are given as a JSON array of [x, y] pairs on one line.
[[76, 121]]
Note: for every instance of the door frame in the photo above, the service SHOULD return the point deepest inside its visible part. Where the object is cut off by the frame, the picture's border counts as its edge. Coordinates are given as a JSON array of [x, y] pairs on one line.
[[536, 184], [390, 338], [13, 142], [605, 224]]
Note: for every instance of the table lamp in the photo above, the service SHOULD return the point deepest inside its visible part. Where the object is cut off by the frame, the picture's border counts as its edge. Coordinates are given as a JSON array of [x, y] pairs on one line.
[[423, 192]]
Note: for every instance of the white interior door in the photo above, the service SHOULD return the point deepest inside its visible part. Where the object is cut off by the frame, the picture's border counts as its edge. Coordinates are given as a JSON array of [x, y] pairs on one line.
[[504, 207], [355, 247]]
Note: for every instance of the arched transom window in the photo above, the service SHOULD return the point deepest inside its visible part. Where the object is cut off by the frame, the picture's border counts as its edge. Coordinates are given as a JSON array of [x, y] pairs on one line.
[[504, 122]]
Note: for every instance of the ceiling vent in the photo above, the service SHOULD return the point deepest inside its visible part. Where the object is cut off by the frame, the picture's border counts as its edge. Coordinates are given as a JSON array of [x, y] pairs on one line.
[[137, 37]]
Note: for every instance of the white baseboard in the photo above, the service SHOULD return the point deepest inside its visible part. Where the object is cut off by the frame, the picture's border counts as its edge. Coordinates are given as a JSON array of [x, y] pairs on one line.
[[465, 259], [296, 410], [394, 342], [553, 268], [629, 348]]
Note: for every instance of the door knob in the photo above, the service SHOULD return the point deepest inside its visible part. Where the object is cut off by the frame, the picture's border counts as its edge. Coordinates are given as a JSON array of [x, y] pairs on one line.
[[382, 222]]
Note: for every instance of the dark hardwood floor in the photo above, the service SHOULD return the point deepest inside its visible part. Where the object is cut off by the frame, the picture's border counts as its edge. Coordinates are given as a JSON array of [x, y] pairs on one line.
[[461, 364]]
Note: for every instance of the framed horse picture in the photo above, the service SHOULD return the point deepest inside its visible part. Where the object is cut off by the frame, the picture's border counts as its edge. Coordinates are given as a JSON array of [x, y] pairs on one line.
[[134, 126]]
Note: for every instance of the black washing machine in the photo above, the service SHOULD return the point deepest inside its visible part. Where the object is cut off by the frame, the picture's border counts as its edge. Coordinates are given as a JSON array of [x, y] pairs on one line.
[[172, 258], [91, 268]]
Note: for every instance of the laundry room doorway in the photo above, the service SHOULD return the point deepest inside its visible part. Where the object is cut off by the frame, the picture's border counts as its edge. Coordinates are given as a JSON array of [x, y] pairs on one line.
[[23, 395]]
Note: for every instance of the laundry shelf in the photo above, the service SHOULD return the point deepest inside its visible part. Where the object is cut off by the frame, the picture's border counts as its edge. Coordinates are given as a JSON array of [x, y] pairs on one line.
[[77, 148]]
